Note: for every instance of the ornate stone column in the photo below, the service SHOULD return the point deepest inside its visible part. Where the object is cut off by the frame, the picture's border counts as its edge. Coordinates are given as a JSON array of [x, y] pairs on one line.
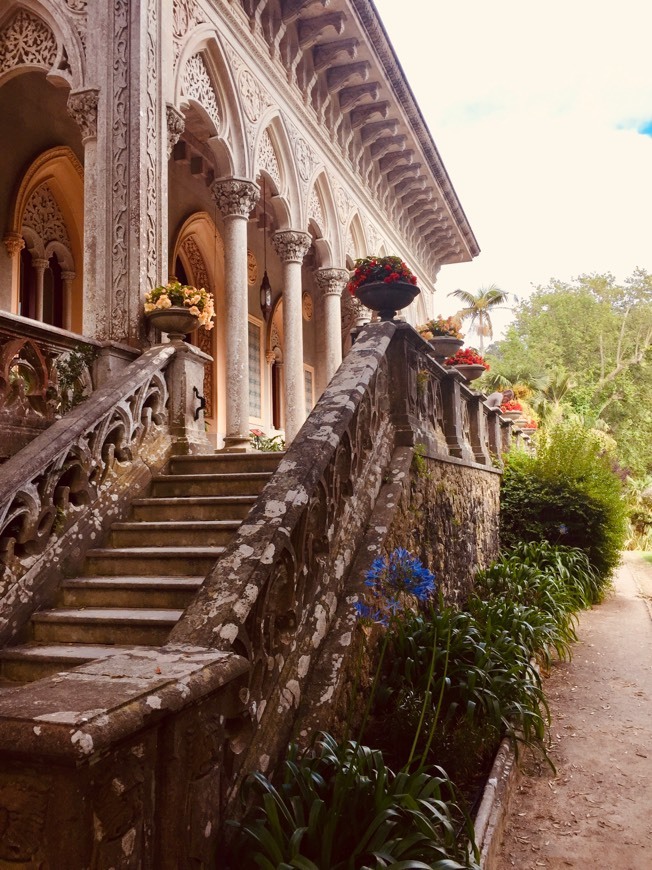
[[14, 244], [235, 198], [40, 265], [67, 279], [291, 246], [331, 282]]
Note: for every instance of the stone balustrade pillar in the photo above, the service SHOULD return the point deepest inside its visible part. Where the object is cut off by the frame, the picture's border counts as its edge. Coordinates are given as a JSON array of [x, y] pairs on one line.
[[479, 429], [67, 279], [453, 413], [40, 264], [235, 198], [291, 246], [331, 282], [185, 380]]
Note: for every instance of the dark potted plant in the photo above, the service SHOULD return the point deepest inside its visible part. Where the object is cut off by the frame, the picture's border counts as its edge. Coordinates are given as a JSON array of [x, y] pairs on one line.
[[383, 284]]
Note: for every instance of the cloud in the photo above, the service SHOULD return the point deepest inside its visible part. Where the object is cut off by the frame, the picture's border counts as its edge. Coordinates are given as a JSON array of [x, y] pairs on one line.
[[542, 116]]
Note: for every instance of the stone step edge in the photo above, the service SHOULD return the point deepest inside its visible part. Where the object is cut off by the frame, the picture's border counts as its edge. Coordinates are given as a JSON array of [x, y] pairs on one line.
[[138, 581], [65, 653], [109, 615], [155, 552], [185, 525]]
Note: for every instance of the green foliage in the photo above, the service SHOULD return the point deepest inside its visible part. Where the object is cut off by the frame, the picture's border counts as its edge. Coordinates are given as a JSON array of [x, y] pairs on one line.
[[260, 441], [593, 336], [567, 493], [70, 367], [341, 807], [474, 679], [639, 512]]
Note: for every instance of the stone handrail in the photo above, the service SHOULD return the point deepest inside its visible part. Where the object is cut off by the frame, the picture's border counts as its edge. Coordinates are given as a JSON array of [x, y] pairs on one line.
[[44, 371], [56, 479], [272, 596]]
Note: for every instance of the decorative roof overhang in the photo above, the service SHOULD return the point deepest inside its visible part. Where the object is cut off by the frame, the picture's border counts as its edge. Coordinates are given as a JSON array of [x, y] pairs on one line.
[[337, 53]]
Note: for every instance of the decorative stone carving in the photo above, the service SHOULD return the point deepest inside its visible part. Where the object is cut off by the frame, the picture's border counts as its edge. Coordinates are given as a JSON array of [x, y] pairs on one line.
[[176, 124], [27, 39], [291, 245], [14, 243], [350, 245], [117, 322], [331, 282], [76, 5], [343, 202], [43, 216], [154, 135], [267, 159], [82, 108], [315, 212], [307, 306], [186, 17], [235, 196], [197, 84], [253, 97], [252, 269]]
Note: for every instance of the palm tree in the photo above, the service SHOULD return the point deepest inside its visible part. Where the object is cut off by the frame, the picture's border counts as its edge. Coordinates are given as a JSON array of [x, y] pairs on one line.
[[477, 308]]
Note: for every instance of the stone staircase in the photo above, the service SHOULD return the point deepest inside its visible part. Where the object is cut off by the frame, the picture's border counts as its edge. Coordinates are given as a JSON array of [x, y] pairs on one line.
[[134, 589]]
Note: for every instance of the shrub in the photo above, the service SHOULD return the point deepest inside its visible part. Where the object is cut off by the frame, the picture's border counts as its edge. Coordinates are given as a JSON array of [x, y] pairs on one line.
[[341, 807], [566, 493]]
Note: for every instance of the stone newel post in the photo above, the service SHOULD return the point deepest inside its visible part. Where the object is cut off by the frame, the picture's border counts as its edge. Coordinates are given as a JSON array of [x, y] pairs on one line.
[[236, 198], [185, 380], [291, 246]]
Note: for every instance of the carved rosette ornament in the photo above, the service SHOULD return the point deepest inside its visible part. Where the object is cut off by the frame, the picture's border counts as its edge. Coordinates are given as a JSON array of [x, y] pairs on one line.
[[176, 124], [291, 245], [235, 196], [331, 282], [27, 40], [82, 108]]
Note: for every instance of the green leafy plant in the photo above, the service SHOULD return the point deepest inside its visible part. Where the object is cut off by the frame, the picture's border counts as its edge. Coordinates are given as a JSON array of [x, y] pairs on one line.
[[567, 493], [71, 366], [340, 807], [260, 441]]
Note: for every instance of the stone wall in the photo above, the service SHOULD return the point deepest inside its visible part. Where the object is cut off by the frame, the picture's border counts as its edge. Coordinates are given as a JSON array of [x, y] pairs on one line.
[[448, 515]]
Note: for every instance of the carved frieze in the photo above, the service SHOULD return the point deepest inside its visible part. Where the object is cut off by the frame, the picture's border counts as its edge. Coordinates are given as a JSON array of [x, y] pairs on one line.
[[291, 245], [198, 85], [27, 39], [82, 108], [78, 8], [116, 325], [235, 196], [153, 212]]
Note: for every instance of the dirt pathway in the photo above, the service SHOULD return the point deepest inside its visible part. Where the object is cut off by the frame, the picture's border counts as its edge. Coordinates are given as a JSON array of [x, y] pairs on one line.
[[596, 812]]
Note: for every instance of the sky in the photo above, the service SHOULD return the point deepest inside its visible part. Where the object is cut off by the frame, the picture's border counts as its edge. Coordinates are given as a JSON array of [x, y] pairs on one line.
[[542, 114]]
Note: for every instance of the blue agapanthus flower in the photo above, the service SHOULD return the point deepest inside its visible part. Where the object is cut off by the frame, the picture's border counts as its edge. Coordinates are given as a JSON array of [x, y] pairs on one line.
[[400, 572], [367, 613]]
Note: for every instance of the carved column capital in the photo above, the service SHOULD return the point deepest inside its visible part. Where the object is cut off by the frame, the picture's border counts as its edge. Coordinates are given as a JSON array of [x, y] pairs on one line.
[[235, 196], [331, 282], [14, 243], [176, 124], [291, 245], [82, 108], [68, 276], [39, 263]]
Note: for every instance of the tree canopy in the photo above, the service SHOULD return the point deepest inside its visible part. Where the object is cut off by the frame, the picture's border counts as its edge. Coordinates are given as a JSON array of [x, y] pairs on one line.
[[588, 345]]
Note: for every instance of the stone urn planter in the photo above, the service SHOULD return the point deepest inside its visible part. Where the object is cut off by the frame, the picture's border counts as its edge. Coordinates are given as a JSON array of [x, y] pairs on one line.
[[512, 415], [445, 346], [177, 321], [387, 299], [470, 372]]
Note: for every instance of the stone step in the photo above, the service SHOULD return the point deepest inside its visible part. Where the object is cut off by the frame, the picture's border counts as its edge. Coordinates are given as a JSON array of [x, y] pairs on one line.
[[104, 625], [29, 662], [151, 561], [225, 463], [175, 533], [157, 592], [219, 507], [209, 484]]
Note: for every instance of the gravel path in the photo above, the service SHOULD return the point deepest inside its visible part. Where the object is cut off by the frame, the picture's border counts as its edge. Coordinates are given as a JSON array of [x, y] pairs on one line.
[[595, 813]]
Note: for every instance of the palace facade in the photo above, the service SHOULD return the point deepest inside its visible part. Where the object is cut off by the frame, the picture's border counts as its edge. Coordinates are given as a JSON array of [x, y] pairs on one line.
[[217, 142]]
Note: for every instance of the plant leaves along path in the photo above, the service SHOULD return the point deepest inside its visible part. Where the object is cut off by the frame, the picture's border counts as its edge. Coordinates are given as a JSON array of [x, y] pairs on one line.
[[595, 812]]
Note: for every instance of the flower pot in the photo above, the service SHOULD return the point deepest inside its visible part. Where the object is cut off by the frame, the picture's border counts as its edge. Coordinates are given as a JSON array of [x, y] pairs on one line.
[[444, 346], [512, 415], [176, 321], [386, 299], [470, 372]]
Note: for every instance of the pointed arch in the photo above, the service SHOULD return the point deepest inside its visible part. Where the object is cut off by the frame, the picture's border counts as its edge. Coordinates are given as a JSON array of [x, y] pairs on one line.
[[355, 241], [35, 36], [287, 204]]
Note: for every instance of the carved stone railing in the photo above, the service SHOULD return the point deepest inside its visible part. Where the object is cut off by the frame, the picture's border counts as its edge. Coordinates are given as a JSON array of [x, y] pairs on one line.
[[44, 371], [59, 479], [273, 595]]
